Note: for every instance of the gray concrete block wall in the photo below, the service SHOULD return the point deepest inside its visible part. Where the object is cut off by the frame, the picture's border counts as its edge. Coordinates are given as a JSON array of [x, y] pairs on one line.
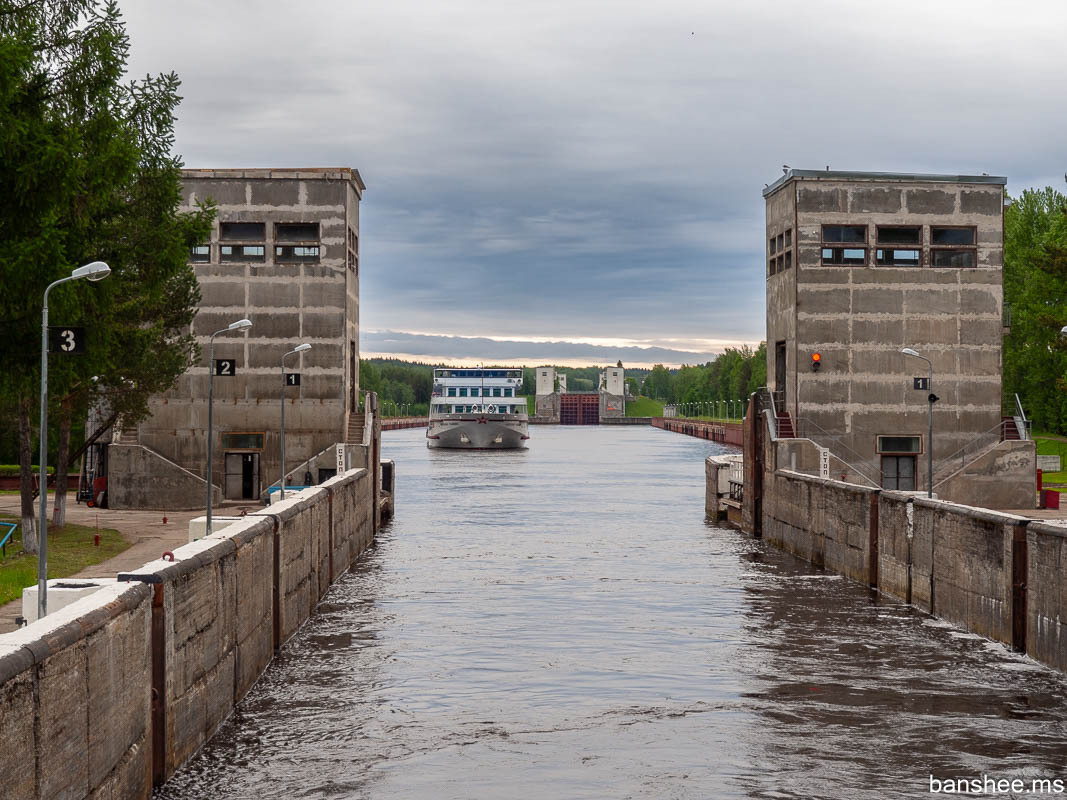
[[860, 317], [144, 479], [352, 517], [894, 545], [972, 565], [288, 303], [828, 519], [951, 560], [1046, 589], [1004, 477], [84, 673]]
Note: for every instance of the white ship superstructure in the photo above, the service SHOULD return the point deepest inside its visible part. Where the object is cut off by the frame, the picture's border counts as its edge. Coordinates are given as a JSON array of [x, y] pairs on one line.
[[477, 409]]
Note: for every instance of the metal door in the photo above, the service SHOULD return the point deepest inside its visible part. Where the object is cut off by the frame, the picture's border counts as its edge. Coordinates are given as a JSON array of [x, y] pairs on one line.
[[242, 476], [779, 368]]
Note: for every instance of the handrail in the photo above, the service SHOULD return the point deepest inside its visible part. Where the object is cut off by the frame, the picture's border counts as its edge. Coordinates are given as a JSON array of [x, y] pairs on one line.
[[1024, 432], [803, 423], [770, 397], [12, 527], [976, 446]]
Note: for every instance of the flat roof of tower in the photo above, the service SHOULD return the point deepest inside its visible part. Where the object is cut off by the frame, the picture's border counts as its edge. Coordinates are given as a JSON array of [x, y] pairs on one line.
[[275, 173], [848, 175]]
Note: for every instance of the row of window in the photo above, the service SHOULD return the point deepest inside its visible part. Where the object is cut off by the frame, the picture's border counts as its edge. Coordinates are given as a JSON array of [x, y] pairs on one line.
[[952, 246], [294, 243], [476, 391], [781, 254], [900, 246], [783, 240], [283, 254], [500, 409]]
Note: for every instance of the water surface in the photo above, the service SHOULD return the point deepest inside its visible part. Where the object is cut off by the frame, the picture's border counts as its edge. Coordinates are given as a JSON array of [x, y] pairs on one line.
[[562, 622]]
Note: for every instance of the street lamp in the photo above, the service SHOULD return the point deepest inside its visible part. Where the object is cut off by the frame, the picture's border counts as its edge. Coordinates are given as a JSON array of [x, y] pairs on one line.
[[95, 271], [931, 398], [300, 348], [241, 324]]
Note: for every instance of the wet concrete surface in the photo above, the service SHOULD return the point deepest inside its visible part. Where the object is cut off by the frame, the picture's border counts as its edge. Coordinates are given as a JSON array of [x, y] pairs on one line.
[[562, 622]]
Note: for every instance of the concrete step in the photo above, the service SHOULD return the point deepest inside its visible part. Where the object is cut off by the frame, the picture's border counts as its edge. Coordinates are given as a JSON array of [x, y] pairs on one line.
[[1009, 432], [356, 423]]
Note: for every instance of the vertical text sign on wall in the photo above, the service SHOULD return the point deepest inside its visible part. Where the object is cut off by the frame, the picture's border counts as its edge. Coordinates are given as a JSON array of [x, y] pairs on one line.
[[340, 459], [824, 462]]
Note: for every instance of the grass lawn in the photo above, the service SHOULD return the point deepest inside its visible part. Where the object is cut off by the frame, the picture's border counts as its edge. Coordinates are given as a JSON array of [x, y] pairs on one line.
[[1052, 446], [644, 407], [70, 550]]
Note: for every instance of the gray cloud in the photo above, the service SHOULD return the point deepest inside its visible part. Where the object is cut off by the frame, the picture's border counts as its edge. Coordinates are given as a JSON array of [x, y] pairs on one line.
[[585, 169], [444, 349]]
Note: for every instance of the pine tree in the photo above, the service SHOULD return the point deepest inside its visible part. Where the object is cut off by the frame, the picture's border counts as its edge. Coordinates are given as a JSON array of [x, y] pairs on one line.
[[86, 174]]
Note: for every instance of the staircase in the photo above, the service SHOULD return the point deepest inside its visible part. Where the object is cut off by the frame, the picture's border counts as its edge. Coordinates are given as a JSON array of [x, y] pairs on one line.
[[785, 426], [356, 422], [1009, 430]]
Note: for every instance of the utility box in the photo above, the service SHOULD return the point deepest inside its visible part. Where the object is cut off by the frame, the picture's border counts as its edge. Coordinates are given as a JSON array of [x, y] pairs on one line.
[[61, 593]]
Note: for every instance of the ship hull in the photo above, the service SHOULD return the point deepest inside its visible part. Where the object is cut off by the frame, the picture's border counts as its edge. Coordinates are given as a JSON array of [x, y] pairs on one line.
[[482, 432]]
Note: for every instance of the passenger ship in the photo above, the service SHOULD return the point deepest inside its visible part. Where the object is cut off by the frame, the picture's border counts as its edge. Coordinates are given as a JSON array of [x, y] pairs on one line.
[[477, 409]]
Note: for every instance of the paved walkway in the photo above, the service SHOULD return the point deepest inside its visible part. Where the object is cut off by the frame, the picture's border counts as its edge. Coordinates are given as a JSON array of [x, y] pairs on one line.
[[147, 532]]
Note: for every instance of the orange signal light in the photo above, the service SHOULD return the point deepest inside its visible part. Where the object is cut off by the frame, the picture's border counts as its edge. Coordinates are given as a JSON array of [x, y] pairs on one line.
[[816, 362]]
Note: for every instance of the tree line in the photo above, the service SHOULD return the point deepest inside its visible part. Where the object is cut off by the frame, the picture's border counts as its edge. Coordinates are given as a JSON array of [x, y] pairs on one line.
[[734, 375], [1035, 296]]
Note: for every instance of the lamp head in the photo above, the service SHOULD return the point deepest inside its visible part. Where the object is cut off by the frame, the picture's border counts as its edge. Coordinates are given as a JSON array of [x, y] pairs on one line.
[[241, 323], [95, 271], [909, 352], [300, 348], [1063, 331]]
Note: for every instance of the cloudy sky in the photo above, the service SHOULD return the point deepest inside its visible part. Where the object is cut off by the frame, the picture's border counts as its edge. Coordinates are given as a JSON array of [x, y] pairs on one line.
[[567, 181]]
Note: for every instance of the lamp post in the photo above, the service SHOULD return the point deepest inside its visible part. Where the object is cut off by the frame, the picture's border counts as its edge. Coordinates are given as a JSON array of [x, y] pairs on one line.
[[931, 399], [94, 271], [241, 324], [300, 348]]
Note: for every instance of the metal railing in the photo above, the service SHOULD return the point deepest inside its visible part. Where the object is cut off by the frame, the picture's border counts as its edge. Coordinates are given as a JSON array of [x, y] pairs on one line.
[[1024, 425], [969, 452], [832, 441]]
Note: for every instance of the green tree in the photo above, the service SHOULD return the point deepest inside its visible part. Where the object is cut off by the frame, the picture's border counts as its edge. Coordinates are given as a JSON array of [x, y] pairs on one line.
[[86, 174], [658, 383], [1035, 286]]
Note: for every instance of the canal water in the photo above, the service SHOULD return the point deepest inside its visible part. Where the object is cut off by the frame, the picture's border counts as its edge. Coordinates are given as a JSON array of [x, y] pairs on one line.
[[563, 623]]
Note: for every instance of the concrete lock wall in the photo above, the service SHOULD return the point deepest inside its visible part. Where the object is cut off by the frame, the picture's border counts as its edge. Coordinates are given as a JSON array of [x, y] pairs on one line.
[[197, 632], [998, 575], [1046, 618], [75, 698], [825, 522]]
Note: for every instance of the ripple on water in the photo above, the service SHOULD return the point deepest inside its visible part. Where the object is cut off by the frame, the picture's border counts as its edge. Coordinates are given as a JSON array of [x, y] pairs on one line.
[[563, 623]]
